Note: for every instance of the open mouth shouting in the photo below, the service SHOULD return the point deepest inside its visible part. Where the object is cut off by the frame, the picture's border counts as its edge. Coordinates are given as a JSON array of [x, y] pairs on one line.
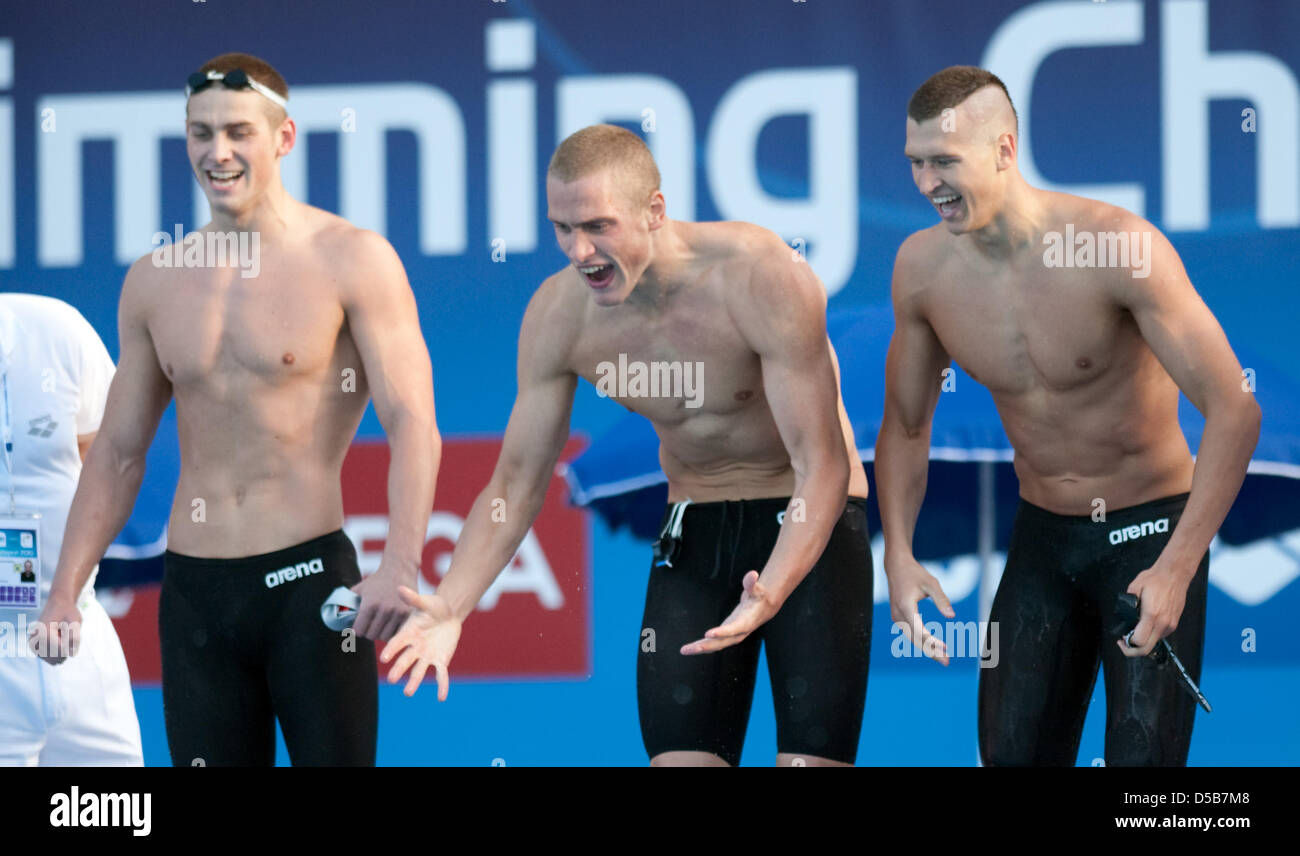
[[224, 179], [598, 276], [949, 205]]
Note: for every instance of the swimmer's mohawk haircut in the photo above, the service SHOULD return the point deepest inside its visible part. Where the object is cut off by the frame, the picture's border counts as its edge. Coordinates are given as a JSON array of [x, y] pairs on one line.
[[598, 147], [949, 88]]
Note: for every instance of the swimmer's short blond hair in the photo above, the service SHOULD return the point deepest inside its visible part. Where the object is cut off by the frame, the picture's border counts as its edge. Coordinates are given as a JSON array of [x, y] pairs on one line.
[[599, 147]]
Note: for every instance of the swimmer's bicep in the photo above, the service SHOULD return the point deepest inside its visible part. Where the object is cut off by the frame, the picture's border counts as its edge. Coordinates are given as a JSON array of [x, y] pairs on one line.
[[1179, 327], [916, 358], [914, 366], [784, 321], [139, 391], [536, 433], [539, 420], [385, 326], [781, 310]]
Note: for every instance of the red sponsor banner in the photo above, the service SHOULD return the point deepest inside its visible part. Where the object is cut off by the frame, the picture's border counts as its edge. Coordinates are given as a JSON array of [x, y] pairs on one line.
[[534, 621], [135, 616], [536, 618]]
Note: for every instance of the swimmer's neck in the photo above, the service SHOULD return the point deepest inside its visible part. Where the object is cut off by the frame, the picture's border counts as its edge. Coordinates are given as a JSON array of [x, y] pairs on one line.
[[1017, 227], [270, 215], [671, 257]]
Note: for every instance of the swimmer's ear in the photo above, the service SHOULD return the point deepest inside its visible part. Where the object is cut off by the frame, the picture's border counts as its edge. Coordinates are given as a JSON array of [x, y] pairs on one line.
[[1007, 146], [657, 212], [286, 136]]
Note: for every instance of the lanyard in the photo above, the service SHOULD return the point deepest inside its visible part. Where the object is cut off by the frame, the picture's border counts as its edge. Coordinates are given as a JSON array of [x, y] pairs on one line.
[[9, 443]]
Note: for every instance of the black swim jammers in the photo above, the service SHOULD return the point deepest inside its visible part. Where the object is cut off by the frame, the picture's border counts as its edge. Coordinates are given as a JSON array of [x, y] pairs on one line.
[[243, 644], [817, 644], [1058, 596]]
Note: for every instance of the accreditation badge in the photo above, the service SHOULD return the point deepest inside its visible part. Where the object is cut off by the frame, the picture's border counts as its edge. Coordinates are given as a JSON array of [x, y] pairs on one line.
[[20, 561]]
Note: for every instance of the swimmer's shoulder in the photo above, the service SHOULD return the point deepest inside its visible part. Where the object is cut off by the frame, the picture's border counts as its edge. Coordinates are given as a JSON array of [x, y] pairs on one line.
[[920, 259], [735, 241], [1093, 215], [361, 263], [554, 319], [749, 257], [562, 302], [140, 288], [343, 243], [1106, 222], [927, 246], [757, 272], [562, 289]]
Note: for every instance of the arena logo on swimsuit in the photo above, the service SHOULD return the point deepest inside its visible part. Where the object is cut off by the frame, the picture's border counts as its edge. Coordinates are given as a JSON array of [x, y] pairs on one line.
[[1147, 527], [294, 572]]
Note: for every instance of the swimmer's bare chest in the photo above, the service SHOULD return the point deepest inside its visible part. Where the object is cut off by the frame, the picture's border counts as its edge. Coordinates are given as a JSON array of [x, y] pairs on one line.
[[1084, 401], [251, 348], [692, 374], [1036, 338], [269, 389]]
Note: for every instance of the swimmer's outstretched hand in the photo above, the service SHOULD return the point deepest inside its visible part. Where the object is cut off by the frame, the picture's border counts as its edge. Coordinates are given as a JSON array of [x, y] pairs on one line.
[[756, 606], [427, 638], [909, 584]]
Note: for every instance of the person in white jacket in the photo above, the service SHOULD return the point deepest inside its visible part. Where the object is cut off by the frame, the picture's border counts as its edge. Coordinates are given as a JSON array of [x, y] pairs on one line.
[[54, 376]]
